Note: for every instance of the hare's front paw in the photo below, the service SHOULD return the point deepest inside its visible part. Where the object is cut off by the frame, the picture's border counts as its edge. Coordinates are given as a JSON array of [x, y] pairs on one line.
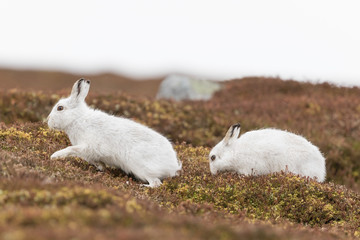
[[72, 151], [56, 155]]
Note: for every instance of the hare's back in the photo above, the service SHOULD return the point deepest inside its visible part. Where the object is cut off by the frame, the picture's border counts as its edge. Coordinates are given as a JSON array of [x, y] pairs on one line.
[[276, 140]]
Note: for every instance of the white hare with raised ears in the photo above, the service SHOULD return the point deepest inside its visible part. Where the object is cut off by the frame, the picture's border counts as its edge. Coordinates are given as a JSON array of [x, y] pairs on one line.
[[102, 139], [266, 151]]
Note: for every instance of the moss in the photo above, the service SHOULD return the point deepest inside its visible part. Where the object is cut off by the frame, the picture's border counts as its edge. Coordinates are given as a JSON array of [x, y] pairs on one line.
[[13, 133], [64, 196]]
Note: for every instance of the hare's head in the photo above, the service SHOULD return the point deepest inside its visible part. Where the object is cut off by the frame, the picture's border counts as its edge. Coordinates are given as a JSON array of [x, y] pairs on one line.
[[68, 109], [221, 154]]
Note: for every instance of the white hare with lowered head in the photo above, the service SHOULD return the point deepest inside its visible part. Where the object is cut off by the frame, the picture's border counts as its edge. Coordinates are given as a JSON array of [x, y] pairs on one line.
[[102, 139], [267, 151]]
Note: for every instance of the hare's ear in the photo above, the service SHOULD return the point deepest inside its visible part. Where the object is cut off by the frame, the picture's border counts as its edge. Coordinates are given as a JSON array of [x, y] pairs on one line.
[[80, 90], [232, 134]]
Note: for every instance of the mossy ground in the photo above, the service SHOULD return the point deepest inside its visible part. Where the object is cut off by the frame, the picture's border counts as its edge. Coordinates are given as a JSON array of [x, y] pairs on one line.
[[67, 198]]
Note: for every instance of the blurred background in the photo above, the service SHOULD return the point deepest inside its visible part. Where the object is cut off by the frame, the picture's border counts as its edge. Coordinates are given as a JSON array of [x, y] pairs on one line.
[[44, 45]]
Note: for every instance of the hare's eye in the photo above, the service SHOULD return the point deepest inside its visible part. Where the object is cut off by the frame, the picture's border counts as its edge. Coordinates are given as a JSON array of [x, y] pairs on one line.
[[213, 157], [60, 108]]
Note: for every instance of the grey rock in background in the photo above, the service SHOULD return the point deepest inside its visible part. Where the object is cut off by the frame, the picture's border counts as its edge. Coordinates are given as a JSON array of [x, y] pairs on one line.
[[179, 87]]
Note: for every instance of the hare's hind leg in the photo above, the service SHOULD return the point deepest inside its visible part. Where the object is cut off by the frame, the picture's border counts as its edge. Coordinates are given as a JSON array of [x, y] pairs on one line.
[[153, 182], [72, 151], [100, 166]]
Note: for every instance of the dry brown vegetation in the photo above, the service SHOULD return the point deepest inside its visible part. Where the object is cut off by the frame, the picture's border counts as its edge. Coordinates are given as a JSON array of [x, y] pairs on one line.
[[49, 81], [67, 198]]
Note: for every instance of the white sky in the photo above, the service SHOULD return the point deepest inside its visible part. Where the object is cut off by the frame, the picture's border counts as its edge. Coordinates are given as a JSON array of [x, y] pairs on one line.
[[316, 40]]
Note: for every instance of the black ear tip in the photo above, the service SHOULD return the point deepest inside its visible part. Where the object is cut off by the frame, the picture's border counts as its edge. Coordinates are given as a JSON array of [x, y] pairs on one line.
[[233, 127], [83, 79]]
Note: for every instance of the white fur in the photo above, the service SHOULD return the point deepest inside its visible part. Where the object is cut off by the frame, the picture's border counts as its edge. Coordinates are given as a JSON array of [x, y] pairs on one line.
[[266, 151], [102, 139]]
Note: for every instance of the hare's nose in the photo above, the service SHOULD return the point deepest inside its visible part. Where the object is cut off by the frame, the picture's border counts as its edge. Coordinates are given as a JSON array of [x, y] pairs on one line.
[[88, 81]]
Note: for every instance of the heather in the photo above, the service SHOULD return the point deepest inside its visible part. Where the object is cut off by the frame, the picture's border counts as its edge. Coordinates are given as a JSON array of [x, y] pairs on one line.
[[68, 198]]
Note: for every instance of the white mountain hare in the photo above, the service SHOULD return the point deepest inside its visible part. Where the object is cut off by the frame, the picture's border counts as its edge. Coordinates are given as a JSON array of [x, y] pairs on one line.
[[266, 151], [102, 139]]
